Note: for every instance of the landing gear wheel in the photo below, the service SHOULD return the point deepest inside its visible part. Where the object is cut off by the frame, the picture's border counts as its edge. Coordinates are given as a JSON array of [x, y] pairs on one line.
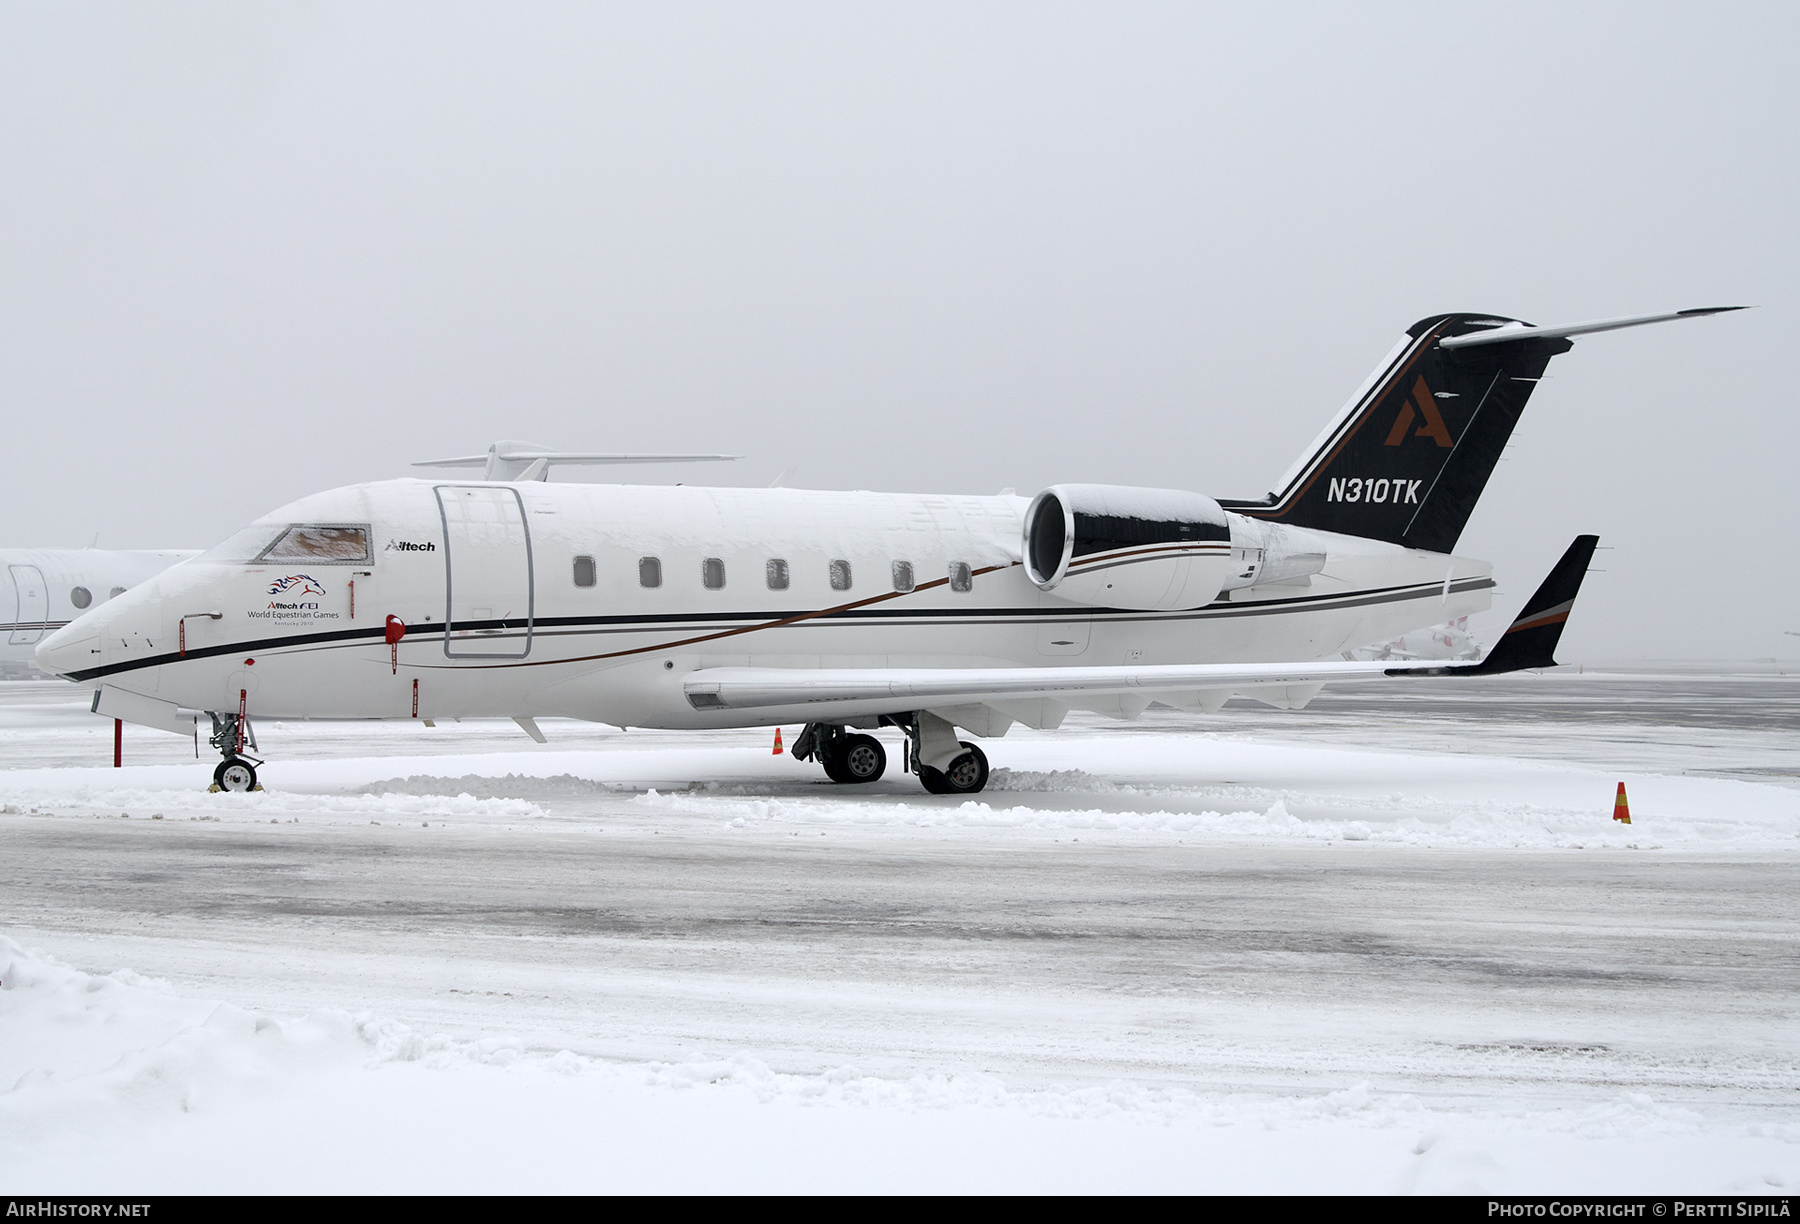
[[856, 758], [967, 774], [235, 774]]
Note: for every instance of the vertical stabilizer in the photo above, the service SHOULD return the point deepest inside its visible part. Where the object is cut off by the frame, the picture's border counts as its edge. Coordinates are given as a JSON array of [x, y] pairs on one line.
[[1406, 461], [1407, 458]]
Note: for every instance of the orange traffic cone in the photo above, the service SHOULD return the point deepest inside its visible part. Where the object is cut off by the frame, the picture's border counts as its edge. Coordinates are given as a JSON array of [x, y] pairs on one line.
[[777, 751], [1621, 809]]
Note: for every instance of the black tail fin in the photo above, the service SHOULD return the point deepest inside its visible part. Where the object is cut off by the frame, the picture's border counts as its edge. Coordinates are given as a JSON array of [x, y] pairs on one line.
[[1406, 461], [1530, 641]]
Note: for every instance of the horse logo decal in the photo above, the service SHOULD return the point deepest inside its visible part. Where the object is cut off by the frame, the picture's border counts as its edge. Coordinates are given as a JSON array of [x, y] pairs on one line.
[[297, 586]]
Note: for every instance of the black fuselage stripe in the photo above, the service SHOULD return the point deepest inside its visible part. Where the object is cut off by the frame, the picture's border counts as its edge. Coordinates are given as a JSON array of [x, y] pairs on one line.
[[577, 626]]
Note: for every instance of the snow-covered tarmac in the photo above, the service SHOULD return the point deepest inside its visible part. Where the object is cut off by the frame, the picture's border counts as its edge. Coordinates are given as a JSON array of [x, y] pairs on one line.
[[1393, 942]]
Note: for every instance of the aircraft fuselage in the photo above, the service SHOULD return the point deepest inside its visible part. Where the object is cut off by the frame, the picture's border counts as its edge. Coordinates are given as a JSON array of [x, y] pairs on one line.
[[594, 601]]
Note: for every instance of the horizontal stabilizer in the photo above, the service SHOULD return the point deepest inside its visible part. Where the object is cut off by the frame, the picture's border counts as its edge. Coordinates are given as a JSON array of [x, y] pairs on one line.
[[1520, 331], [526, 461]]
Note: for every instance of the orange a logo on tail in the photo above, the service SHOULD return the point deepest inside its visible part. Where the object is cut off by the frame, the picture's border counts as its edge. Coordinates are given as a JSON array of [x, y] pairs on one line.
[[1433, 427]]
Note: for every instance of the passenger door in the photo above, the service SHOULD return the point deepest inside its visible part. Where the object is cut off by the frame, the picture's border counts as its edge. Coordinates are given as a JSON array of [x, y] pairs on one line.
[[487, 572]]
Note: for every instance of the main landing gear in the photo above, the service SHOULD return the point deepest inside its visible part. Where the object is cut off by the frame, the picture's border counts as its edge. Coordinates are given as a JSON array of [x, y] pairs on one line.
[[237, 772], [853, 758], [846, 758], [966, 775]]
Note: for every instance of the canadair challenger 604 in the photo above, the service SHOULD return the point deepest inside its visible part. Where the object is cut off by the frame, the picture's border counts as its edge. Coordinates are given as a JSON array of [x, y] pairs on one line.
[[683, 607]]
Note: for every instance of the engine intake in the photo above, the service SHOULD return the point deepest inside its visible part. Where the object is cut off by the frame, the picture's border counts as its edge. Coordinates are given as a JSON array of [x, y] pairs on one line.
[[1115, 546]]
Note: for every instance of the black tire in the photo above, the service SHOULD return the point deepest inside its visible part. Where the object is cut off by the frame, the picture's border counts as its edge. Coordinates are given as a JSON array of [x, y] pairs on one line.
[[856, 759], [967, 774], [235, 774], [828, 757]]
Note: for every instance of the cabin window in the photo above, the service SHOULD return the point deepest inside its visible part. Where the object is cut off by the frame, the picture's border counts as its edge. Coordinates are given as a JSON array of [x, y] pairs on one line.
[[962, 579], [649, 571], [777, 571], [115, 592], [320, 545], [903, 576], [840, 575], [81, 597], [712, 573], [584, 571]]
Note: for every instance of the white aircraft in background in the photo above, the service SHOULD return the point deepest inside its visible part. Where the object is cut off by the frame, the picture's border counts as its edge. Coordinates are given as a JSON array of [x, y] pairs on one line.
[[46, 588], [1450, 640], [691, 607]]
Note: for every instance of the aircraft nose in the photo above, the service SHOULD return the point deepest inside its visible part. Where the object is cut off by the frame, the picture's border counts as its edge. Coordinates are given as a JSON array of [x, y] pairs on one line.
[[75, 647]]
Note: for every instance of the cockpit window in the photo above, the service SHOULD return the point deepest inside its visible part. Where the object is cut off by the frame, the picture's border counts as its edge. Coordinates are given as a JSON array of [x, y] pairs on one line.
[[320, 545]]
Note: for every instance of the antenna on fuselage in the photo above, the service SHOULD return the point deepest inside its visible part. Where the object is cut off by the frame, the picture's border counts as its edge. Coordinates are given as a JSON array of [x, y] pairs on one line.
[[513, 460]]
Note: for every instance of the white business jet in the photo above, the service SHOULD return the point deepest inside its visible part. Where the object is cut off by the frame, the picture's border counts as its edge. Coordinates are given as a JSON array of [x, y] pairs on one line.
[[46, 588], [686, 607]]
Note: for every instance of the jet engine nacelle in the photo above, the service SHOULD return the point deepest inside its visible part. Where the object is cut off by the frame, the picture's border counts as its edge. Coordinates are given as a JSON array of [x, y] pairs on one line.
[[1114, 546]]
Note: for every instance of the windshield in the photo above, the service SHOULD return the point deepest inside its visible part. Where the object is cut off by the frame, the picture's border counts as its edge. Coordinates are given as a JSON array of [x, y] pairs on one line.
[[334, 545], [277, 543]]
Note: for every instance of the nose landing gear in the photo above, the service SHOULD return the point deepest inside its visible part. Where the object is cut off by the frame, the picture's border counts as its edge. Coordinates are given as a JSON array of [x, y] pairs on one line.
[[237, 772]]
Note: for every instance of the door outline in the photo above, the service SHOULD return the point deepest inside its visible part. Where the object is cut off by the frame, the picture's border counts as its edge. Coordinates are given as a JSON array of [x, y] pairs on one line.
[[25, 632], [449, 577]]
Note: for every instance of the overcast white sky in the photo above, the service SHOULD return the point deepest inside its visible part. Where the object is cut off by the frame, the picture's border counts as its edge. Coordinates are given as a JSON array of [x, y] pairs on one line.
[[252, 251]]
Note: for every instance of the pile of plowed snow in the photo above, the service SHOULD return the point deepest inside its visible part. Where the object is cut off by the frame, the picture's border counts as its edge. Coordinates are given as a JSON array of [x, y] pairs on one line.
[[1188, 815]]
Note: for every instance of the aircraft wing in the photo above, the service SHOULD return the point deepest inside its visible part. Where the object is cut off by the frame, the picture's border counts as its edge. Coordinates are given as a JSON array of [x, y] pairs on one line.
[[1020, 693], [1040, 696]]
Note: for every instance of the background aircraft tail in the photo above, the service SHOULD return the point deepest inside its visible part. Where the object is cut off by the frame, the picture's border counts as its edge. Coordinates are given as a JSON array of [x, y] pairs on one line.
[[1408, 456]]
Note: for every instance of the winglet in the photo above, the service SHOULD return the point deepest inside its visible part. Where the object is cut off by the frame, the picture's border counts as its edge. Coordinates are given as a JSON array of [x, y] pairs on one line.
[[1530, 641]]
